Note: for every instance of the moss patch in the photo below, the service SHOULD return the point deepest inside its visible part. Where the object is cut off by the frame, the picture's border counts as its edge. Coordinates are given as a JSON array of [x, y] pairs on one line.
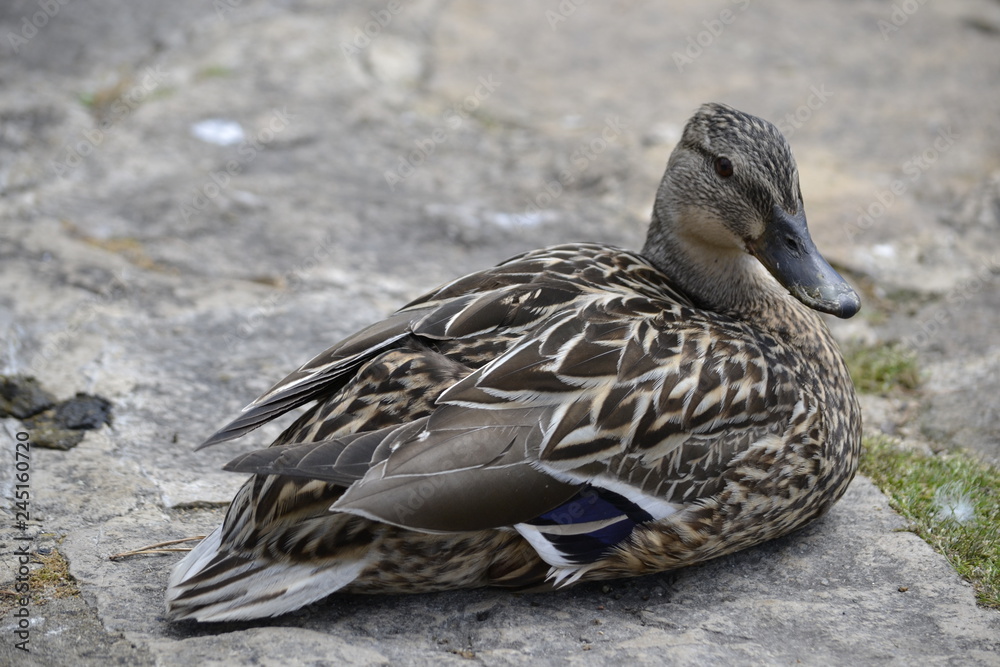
[[214, 71], [953, 503], [52, 580], [49, 580], [883, 368]]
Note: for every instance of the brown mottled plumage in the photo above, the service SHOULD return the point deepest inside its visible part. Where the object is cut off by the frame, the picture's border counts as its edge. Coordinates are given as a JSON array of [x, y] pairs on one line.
[[576, 413]]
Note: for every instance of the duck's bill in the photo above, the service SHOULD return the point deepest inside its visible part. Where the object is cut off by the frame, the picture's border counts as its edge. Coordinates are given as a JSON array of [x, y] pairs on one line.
[[788, 252]]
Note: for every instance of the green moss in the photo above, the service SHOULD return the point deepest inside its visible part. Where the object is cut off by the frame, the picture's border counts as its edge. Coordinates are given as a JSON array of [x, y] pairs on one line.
[[953, 503], [880, 369], [49, 580], [52, 579], [162, 92], [214, 71]]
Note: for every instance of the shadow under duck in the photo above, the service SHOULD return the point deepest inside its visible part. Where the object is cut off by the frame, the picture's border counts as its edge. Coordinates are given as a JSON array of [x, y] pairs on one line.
[[577, 413]]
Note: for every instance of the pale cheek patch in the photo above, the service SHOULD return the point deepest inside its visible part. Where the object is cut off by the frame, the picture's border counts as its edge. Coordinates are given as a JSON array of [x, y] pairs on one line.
[[703, 228]]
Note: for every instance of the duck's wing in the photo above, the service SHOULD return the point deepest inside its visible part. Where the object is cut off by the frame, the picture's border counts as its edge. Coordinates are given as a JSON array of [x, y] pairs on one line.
[[420, 475], [320, 375], [618, 413], [504, 301], [469, 316]]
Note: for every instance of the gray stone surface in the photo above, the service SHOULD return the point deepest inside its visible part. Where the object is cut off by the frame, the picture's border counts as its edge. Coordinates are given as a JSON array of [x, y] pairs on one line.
[[179, 278]]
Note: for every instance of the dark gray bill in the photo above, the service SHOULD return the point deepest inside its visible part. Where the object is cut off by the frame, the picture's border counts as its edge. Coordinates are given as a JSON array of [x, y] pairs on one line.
[[788, 252]]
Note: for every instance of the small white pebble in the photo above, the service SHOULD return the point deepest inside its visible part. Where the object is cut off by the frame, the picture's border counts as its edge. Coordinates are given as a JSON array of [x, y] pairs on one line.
[[514, 220], [218, 131], [885, 250]]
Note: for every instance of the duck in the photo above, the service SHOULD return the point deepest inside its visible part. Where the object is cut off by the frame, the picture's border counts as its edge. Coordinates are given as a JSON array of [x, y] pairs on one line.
[[576, 413]]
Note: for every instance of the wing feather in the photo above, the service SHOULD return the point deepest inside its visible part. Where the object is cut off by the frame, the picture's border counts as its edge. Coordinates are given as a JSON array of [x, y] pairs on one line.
[[512, 297], [321, 376], [449, 472]]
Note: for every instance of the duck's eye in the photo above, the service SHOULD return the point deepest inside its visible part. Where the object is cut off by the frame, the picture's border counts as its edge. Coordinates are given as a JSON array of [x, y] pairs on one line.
[[723, 167]]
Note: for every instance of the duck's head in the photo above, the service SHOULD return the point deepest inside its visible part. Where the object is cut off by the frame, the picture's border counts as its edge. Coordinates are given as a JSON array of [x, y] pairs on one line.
[[730, 194]]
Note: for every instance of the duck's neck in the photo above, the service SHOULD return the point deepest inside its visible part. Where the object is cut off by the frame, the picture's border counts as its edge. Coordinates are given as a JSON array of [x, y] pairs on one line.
[[724, 280]]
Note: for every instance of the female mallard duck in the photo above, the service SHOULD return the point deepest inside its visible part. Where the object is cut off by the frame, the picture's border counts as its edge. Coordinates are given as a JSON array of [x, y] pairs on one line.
[[577, 413]]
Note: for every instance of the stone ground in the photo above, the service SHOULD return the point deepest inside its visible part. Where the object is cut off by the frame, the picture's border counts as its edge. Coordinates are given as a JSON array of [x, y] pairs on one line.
[[179, 278]]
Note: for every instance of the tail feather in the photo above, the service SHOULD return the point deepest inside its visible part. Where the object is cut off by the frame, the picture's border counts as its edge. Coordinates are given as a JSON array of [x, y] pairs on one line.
[[209, 585]]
